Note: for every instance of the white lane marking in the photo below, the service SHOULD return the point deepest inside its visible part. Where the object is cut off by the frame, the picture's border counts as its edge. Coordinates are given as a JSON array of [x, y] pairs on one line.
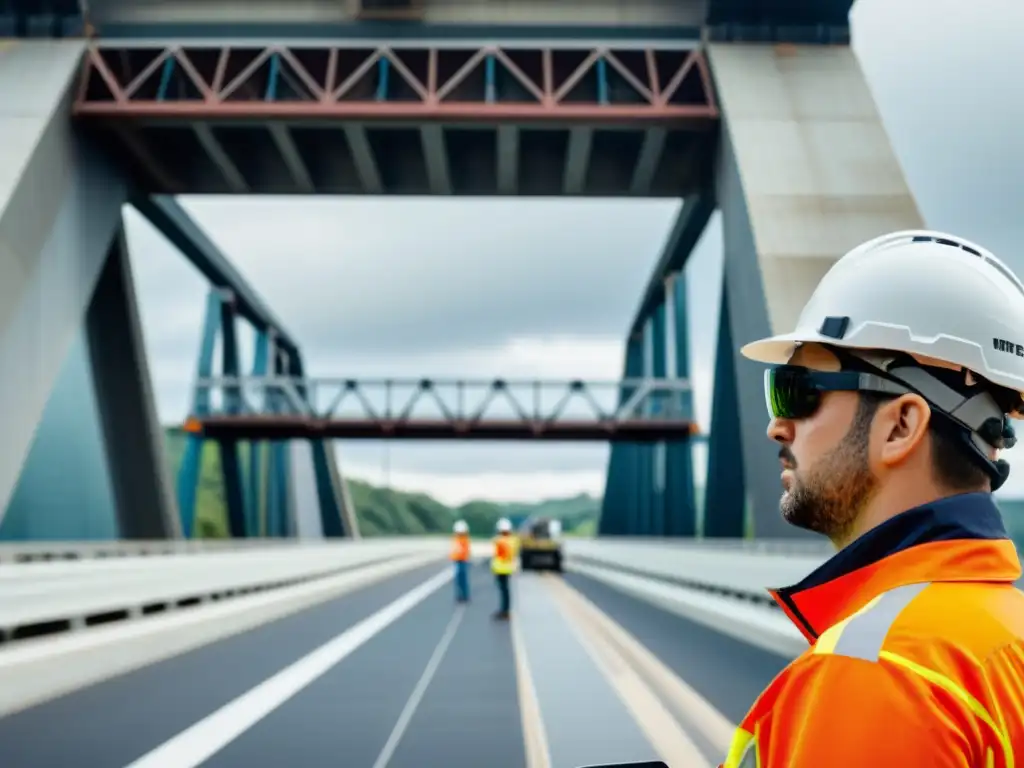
[[211, 734], [417, 693]]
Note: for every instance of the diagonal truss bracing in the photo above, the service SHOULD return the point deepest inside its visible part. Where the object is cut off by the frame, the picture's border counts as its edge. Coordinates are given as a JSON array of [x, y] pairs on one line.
[[380, 82], [348, 119], [635, 410]]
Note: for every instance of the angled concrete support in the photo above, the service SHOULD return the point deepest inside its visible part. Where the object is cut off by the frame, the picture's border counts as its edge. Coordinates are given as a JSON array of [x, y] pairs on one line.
[[725, 492], [133, 438], [79, 454], [339, 491], [805, 173]]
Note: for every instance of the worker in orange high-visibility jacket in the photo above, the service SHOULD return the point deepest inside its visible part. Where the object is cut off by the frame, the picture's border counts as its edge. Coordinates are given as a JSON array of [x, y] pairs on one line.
[[891, 402], [460, 557], [503, 564]]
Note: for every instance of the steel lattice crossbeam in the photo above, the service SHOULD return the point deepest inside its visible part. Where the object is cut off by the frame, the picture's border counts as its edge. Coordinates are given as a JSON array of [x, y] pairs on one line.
[[637, 410], [336, 120]]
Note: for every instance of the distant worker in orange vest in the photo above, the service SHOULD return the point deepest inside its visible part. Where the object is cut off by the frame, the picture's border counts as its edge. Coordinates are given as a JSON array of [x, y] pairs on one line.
[[503, 564], [890, 404], [460, 556]]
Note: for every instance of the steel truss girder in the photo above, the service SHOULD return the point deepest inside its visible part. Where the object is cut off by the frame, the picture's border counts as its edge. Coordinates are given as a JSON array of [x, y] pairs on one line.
[[602, 85], [373, 119], [651, 409]]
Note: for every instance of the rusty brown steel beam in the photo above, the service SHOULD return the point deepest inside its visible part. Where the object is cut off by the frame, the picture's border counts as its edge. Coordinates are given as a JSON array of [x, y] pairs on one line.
[[432, 84], [297, 427]]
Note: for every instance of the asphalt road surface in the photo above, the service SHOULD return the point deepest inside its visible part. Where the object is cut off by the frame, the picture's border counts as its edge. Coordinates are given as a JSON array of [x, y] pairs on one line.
[[364, 682]]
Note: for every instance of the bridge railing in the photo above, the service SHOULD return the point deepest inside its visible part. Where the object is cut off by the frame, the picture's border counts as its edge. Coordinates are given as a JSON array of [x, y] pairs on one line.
[[433, 408], [740, 569], [40, 598]]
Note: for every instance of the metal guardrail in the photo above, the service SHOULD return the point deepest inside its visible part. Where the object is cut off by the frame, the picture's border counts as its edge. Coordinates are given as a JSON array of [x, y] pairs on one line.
[[738, 570], [55, 587], [45, 598], [46, 551]]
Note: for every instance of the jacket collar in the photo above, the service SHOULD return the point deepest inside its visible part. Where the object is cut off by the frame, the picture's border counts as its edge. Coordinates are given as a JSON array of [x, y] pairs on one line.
[[960, 538]]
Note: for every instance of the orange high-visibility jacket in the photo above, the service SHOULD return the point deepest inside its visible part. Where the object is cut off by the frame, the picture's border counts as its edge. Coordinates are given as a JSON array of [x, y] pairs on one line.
[[916, 657], [460, 548]]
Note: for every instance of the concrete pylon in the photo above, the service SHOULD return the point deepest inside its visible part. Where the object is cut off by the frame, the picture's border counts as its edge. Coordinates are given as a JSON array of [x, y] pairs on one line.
[[80, 451], [805, 172]]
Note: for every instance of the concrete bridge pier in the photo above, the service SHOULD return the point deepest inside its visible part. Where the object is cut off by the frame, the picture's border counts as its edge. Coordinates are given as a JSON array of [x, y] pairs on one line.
[[81, 455], [805, 172]]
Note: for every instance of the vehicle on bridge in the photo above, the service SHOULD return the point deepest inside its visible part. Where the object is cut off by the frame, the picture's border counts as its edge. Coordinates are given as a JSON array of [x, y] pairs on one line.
[[540, 544]]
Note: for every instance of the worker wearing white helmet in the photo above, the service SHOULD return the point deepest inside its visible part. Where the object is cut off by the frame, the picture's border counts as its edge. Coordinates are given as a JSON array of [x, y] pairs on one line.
[[890, 403], [460, 557], [503, 564]]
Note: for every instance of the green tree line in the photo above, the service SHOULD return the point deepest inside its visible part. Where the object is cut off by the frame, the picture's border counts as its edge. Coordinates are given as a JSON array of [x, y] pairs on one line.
[[385, 511]]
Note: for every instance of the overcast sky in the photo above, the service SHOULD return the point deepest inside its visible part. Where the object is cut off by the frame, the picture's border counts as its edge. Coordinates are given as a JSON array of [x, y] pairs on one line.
[[526, 288]]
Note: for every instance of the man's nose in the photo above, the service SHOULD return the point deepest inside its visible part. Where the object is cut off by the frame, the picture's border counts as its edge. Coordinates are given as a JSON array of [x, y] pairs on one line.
[[780, 430]]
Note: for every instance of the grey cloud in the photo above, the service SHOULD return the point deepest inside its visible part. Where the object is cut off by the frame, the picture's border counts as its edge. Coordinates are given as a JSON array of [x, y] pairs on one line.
[[383, 278]]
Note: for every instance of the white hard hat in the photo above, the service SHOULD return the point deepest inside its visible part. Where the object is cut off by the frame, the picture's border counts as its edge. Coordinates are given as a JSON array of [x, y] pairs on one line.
[[924, 293], [504, 526], [460, 527]]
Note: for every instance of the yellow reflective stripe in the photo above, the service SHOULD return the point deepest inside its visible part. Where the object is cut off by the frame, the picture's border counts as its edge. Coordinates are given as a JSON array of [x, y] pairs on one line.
[[738, 748], [940, 680], [1018, 651]]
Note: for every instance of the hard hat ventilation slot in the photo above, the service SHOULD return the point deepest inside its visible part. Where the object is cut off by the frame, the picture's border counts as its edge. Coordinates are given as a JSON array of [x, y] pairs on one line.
[[1002, 268], [947, 241]]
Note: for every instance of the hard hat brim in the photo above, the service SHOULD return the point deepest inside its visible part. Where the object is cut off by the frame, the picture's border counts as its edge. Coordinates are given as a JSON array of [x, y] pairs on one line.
[[777, 350]]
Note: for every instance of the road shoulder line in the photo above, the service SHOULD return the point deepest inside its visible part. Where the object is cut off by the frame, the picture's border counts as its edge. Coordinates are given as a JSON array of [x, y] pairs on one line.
[[538, 754], [688, 709]]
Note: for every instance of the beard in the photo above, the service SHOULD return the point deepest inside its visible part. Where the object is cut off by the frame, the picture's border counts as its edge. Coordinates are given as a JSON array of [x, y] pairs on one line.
[[829, 497]]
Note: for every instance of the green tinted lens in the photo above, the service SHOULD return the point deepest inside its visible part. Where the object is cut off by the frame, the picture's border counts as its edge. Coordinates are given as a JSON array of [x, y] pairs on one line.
[[790, 393]]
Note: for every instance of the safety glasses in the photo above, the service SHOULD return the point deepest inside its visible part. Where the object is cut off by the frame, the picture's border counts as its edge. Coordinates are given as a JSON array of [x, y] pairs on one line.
[[795, 392]]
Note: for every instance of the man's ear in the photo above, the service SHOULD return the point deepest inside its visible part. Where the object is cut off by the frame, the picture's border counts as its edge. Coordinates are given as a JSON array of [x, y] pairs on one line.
[[900, 427]]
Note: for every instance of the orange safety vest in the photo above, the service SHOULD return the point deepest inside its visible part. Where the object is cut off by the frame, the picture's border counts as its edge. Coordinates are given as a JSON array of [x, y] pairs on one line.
[[916, 657], [503, 562], [460, 548]]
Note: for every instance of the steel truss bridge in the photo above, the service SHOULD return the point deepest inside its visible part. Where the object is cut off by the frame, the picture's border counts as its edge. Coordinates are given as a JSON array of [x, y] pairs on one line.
[[704, 102], [289, 408]]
